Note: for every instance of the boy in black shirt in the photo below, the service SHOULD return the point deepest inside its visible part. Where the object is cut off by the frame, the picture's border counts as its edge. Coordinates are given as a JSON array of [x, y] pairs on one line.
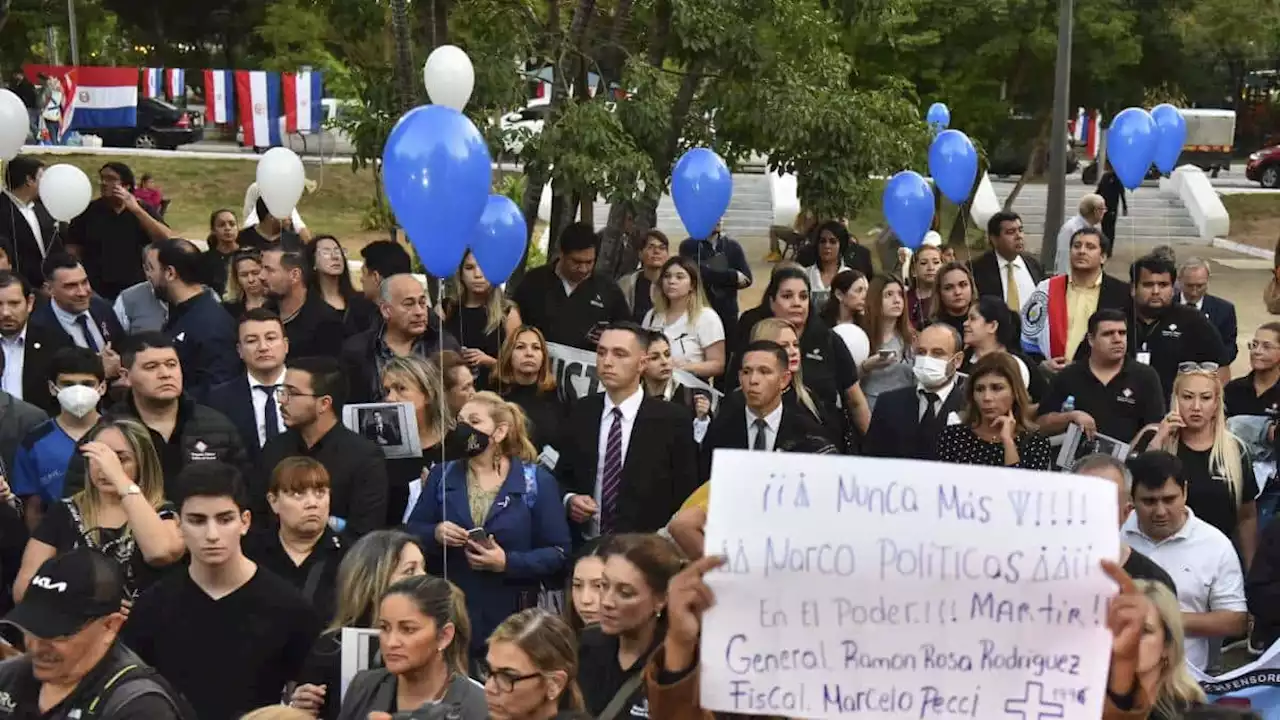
[[228, 634]]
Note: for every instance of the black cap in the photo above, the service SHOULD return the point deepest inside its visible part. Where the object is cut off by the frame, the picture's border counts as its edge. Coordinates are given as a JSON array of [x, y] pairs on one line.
[[68, 592]]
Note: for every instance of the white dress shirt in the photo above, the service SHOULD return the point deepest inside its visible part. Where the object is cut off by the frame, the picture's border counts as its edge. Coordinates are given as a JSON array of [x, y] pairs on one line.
[[773, 421], [1204, 567], [14, 355], [28, 212], [259, 399], [1026, 285], [943, 393], [68, 323], [629, 407]]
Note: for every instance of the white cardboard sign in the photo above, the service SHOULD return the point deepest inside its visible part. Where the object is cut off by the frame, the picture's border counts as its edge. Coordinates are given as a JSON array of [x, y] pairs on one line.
[[861, 587]]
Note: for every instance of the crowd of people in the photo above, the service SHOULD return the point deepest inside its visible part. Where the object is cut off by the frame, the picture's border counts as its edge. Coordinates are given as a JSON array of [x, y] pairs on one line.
[[188, 522]]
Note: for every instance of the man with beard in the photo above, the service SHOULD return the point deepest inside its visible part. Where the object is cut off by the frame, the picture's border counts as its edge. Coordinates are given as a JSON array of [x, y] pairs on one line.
[[27, 346], [313, 327], [1167, 335], [74, 667], [203, 333]]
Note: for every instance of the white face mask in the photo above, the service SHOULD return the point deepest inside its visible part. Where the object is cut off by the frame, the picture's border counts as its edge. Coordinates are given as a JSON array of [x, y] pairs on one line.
[[78, 399], [931, 372]]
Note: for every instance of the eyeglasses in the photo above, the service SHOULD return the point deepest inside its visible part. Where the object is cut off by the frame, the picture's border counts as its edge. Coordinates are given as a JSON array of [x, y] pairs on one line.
[[506, 682], [1263, 346], [284, 392], [1191, 367]]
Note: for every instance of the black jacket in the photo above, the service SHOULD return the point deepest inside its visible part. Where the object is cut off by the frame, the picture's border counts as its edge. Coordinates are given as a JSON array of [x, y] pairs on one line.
[[104, 318], [364, 354], [357, 476], [234, 398], [798, 431], [37, 350], [203, 434], [22, 245], [895, 430], [205, 337], [138, 694], [572, 320], [1221, 314], [315, 330], [986, 274]]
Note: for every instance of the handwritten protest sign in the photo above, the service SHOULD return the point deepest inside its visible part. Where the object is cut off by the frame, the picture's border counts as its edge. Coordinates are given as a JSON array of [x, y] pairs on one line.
[[575, 373], [904, 589]]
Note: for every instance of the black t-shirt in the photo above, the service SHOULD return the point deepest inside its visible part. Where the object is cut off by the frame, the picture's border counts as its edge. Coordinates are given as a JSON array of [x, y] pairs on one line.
[[1242, 399], [216, 269], [315, 578], [1208, 494], [251, 238], [1141, 567], [1131, 401], [227, 656], [643, 300], [315, 330], [1181, 334], [59, 530], [574, 320], [600, 676], [111, 245], [23, 691], [829, 369]]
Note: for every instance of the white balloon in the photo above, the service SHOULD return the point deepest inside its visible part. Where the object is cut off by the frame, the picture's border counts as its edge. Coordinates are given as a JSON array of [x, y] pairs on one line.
[[65, 191], [449, 77], [280, 180], [14, 124]]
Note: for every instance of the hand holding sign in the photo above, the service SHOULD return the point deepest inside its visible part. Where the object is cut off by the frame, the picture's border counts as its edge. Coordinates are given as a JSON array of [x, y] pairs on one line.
[[1126, 617]]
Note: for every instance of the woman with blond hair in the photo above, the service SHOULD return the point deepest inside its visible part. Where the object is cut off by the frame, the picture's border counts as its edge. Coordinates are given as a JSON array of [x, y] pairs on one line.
[[681, 312], [121, 511], [533, 669], [410, 379], [524, 377], [996, 428], [246, 289], [480, 317], [376, 562], [1162, 657], [511, 533], [1221, 486]]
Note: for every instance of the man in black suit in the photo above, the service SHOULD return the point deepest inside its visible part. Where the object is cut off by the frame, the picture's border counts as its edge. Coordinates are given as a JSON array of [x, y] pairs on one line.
[[27, 230], [1193, 276], [907, 421], [250, 401], [758, 419], [381, 430], [76, 315], [27, 346], [1006, 271], [629, 460]]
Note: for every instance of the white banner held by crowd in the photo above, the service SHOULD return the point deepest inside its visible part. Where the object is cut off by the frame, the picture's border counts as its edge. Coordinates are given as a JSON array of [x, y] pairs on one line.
[[575, 371], [906, 589]]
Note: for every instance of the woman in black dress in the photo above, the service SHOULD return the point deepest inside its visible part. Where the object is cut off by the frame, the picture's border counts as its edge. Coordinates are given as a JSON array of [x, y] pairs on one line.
[[330, 278], [410, 379], [524, 377], [995, 428], [479, 317]]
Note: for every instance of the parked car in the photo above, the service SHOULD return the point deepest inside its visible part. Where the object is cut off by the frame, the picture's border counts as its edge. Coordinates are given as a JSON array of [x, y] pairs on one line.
[[161, 126], [330, 141], [1264, 167], [518, 127]]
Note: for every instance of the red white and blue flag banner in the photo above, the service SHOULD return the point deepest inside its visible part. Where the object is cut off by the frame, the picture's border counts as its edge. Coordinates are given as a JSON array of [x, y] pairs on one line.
[[152, 82], [175, 83], [219, 96], [258, 97], [1255, 686], [302, 108], [1085, 129], [90, 97]]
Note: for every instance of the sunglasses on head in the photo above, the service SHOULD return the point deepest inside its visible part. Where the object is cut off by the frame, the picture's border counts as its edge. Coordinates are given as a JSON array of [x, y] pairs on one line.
[[1191, 367]]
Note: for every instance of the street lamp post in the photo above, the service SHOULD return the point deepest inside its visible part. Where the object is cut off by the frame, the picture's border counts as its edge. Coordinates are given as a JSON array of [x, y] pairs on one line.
[[1057, 151], [73, 38]]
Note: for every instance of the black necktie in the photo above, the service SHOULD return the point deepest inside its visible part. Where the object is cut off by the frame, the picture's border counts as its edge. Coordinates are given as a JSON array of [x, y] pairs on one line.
[[270, 417], [931, 410], [83, 321], [759, 442]]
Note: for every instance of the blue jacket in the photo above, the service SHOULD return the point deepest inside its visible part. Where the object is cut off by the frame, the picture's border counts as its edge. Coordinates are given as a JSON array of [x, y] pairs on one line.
[[528, 522], [204, 335]]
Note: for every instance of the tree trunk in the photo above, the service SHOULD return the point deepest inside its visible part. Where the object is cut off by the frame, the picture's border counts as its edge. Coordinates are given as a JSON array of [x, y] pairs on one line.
[[4, 12], [439, 23], [404, 55], [660, 32], [1033, 162]]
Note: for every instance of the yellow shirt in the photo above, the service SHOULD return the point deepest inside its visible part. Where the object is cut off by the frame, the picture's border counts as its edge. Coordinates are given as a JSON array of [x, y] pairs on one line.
[[1082, 301], [701, 498]]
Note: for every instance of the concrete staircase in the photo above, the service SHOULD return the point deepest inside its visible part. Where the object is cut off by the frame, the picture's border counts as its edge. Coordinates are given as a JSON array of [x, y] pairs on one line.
[[749, 215], [1155, 218]]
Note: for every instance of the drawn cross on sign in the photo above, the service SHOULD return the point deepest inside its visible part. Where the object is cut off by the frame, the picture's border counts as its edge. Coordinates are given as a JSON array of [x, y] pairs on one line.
[[1029, 709]]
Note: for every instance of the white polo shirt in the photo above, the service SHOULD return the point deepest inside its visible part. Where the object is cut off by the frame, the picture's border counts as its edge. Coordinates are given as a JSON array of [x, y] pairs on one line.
[[1204, 566]]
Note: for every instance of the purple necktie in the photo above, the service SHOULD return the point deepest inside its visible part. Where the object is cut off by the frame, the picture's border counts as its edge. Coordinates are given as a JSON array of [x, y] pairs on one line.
[[611, 477]]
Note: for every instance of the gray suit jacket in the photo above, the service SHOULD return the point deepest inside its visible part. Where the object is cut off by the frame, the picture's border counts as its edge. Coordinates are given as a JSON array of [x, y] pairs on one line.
[[17, 418]]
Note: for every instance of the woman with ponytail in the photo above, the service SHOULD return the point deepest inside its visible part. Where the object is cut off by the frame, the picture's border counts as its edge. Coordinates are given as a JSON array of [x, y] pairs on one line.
[[503, 530], [423, 634], [533, 669]]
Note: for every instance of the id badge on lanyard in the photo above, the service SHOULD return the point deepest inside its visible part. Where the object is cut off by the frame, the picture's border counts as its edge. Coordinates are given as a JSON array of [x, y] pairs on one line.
[[1144, 356]]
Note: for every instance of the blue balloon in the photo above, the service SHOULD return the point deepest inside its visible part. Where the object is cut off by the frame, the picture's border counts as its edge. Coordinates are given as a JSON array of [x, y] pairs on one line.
[[499, 239], [908, 206], [938, 117], [437, 173], [953, 163], [1171, 135], [1131, 145], [701, 187]]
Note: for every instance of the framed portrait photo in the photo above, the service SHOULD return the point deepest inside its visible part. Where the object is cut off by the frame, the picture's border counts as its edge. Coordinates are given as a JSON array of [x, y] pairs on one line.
[[393, 427]]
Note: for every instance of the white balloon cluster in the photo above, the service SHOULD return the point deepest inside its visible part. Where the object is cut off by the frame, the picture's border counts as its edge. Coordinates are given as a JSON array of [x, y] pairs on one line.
[[449, 77]]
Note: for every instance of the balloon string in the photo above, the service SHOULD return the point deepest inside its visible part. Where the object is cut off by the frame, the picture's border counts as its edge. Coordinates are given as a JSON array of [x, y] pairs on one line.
[[443, 402]]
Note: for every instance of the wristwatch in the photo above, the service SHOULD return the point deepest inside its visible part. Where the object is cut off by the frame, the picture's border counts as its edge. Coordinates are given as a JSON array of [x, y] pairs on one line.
[[133, 489]]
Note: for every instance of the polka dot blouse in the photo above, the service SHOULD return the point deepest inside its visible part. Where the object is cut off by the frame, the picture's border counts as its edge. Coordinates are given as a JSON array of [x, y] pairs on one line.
[[960, 444]]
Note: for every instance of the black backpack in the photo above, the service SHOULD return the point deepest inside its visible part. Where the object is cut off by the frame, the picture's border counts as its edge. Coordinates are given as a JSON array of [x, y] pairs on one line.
[[130, 683]]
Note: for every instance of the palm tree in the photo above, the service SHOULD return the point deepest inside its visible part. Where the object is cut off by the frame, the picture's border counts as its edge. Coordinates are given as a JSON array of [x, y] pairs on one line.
[[405, 81]]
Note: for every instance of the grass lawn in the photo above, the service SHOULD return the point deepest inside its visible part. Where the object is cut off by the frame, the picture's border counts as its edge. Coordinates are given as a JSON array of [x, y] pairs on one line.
[[1255, 218], [198, 187]]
